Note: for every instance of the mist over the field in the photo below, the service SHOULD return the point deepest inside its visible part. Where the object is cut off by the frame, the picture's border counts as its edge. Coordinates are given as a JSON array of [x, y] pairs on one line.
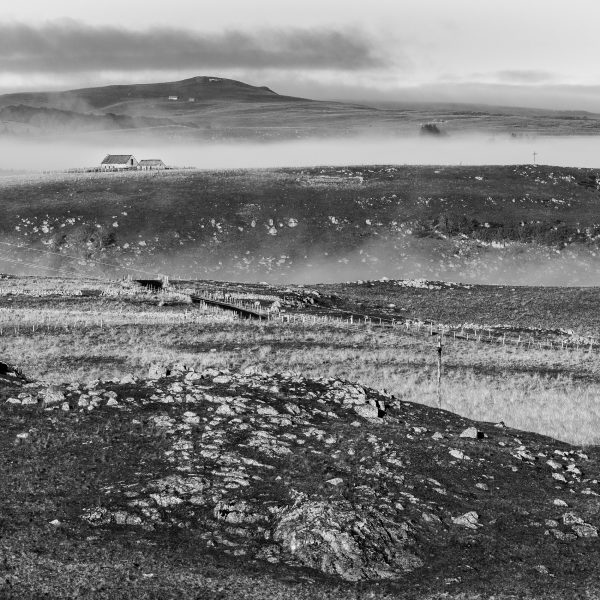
[[59, 154], [324, 259]]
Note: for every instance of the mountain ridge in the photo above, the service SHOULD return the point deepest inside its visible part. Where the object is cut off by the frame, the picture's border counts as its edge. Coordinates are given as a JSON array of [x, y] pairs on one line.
[[102, 97], [206, 108]]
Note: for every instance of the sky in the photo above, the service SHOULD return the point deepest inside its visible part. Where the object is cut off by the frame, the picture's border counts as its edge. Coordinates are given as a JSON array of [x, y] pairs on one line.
[[536, 53]]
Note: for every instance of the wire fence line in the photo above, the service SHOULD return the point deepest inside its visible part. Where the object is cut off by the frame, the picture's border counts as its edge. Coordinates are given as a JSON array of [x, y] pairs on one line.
[[17, 321], [233, 306], [525, 339], [14, 321]]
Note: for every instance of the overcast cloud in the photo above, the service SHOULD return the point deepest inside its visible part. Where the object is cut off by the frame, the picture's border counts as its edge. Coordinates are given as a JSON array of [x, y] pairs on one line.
[[69, 46], [533, 52]]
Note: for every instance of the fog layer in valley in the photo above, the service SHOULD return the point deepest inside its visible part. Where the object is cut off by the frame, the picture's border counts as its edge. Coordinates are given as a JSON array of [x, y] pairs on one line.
[[406, 258], [44, 154]]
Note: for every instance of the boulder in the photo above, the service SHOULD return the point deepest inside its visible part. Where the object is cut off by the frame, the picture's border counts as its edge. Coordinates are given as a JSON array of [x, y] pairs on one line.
[[470, 520], [336, 539], [53, 395], [472, 433], [157, 372], [367, 411]]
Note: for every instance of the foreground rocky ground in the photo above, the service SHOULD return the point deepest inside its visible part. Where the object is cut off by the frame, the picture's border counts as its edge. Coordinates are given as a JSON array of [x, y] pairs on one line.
[[322, 480]]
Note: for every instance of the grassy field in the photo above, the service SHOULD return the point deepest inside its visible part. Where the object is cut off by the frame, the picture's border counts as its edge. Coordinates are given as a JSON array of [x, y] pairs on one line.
[[576, 309], [553, 392]]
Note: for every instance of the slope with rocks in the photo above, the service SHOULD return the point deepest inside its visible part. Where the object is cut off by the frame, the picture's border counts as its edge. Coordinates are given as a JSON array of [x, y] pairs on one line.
[[326, 475], [535, 225]]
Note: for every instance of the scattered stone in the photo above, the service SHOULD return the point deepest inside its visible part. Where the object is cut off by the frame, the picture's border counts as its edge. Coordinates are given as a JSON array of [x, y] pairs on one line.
[[469, 520], [458, 454], [585, 530], [430, 518], [523, 454], [472, 433], [367, 411], [336, 481], [225, 411], [53, 395], [562, 536], [268, 411], [157, 372], [570, 518]]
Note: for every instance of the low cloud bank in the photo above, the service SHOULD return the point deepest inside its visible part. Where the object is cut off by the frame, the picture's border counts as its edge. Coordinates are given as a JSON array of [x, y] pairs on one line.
[[69, 46], [568, 151]]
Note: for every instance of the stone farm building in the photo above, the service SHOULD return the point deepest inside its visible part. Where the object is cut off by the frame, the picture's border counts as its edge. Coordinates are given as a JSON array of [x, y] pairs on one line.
[[114, 162], [117, 162], [151, 164]]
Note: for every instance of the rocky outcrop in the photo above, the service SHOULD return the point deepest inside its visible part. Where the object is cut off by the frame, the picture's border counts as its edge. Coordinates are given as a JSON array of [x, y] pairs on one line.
[[338, 539], [327, 474]]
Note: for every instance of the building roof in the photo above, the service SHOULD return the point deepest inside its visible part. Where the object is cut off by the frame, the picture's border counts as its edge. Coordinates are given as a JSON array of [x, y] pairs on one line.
[[151, 162], [117, 159]]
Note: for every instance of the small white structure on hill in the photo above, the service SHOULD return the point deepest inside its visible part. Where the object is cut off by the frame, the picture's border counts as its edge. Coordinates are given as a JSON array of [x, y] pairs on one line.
[[173, 97], [114, 162], [151, 164]]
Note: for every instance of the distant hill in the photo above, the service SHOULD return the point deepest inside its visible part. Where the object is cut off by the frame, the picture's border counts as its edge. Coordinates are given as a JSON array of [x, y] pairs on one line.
[[106, 98], [216, 108]]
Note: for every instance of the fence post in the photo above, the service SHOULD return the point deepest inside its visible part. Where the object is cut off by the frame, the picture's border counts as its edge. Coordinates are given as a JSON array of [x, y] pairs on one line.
[[439, 372]]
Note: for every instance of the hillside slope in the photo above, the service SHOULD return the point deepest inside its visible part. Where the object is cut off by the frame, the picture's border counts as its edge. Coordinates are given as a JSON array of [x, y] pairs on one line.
[[193, 476], [201, 89], [200, 107], [209, 108], [514, 224]]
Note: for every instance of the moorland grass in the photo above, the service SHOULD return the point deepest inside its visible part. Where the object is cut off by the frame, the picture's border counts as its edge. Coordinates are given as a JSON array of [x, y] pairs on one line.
[[548, 391]]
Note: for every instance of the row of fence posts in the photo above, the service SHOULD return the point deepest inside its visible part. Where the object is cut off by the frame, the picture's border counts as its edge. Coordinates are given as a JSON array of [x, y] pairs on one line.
[[368, 321]]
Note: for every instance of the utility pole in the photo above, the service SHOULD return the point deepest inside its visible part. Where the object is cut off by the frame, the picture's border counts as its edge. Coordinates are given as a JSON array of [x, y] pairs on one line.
[[534, 155], [439, 371]]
